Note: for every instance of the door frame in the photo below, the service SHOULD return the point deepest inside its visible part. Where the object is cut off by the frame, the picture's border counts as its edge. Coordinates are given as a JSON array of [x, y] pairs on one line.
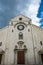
[[3, 56], [15, 55], [41, 58], [23, 55]]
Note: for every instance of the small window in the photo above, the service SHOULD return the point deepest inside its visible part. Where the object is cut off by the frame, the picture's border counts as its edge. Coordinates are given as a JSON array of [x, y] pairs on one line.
[[41, 42], [29, 30], [12, 30], [20, 35], [20, 18], [0, 43]]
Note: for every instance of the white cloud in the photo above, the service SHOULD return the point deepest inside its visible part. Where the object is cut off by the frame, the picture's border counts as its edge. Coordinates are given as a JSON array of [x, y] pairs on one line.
[[32, 11]]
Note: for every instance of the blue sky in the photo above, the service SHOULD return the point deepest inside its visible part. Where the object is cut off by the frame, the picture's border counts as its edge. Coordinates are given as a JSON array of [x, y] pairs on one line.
[[30, 8]]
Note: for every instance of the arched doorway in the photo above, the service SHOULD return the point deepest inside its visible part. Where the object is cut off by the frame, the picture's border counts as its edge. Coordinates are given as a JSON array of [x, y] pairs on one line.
[[41, 55], [1, 56], [20, 53], [42, 58], [20, 57]]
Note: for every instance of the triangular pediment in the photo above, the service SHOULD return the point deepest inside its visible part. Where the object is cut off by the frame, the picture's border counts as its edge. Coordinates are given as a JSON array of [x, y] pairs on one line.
[[20, 17]]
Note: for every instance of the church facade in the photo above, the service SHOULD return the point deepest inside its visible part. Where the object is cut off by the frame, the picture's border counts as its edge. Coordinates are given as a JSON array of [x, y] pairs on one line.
[[21, 42]]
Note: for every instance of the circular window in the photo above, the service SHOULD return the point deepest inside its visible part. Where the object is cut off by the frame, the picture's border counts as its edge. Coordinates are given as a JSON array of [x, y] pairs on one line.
[[20, 27]]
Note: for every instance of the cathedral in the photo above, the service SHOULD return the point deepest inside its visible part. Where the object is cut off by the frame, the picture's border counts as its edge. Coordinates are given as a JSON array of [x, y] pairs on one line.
[[21, 42]]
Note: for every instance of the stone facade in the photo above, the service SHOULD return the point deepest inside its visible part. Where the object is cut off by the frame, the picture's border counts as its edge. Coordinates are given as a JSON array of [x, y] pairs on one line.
[[21, 36]]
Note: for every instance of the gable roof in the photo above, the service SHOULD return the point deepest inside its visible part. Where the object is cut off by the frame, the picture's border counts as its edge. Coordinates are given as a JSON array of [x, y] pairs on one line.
[[16, 18]]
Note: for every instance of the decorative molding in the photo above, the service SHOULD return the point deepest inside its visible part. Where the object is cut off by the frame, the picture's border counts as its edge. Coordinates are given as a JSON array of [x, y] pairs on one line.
[[20, 23], [20, 27], [20, 43], [20, 50], [16, 46], [25, 47]]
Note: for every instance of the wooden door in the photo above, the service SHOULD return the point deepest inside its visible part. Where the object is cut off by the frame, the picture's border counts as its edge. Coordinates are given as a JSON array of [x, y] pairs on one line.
[[20, 57], [0, 58], [42, 58]]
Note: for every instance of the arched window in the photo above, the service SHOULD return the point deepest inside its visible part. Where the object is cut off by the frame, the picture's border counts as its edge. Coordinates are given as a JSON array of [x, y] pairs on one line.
[[0, 43], [20, 35], [41, 43]]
